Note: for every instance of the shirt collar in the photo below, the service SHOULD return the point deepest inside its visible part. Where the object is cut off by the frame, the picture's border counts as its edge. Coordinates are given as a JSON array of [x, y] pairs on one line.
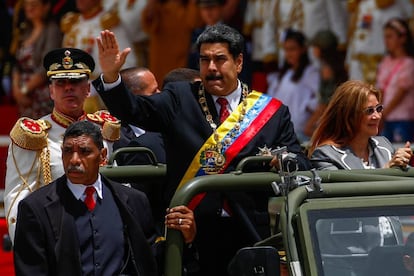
[[233, 98], [137, 131], [79, 189]]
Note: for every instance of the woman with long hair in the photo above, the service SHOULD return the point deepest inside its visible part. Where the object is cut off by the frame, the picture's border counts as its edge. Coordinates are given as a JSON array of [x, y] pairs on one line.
[[332, 70], [346, 136], [395, 79], [38, 36], [297, 82]]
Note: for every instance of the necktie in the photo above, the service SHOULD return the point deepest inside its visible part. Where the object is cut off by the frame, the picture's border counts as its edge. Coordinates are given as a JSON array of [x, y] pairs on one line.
[[224, 111], [89, 199]]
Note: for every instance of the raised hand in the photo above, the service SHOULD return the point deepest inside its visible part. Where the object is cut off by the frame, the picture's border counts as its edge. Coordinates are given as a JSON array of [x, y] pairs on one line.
[[111, 58]]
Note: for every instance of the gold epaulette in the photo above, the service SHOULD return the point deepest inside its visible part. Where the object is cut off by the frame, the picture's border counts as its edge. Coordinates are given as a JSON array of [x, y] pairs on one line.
[[383, 4], [68, 20], [111, 126], [30, 134], [110, 19]]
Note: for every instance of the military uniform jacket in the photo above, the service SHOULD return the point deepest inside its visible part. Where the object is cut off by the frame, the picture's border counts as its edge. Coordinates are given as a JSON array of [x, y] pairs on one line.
[[366, 46], [81, 33], [26, 165], [329, 157], [51, 246]]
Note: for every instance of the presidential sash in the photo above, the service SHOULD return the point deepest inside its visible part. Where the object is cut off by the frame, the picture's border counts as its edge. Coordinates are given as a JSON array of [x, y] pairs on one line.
[[230, 138]]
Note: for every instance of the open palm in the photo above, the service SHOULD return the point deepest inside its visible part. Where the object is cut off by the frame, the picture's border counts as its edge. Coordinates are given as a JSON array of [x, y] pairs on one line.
[[110, 57]]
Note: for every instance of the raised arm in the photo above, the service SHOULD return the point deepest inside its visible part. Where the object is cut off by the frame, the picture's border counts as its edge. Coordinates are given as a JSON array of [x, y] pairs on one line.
[[111, 58]]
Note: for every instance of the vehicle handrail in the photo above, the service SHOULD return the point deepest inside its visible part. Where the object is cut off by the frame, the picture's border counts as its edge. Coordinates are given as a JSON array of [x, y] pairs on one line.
[[134, 173], [148, 152], [250, 160]]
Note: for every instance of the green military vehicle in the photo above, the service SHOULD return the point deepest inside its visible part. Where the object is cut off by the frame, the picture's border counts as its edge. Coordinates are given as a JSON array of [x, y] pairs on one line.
[[325, 223]]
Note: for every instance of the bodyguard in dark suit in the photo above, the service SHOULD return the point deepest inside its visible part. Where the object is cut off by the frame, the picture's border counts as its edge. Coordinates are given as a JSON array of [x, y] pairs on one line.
[[140, 81], [62, 231], [206, 135]]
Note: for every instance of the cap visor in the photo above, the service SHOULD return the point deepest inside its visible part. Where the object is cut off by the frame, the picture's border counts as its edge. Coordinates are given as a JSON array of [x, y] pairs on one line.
[[69, 76]]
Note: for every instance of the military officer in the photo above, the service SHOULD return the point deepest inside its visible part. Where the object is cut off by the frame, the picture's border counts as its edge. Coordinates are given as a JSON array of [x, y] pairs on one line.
[[366, 45], [81, 29], [131, 22], [34, 155]]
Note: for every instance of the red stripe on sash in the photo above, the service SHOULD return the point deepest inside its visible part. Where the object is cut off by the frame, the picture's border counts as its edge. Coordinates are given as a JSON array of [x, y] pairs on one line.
[[262, 118]]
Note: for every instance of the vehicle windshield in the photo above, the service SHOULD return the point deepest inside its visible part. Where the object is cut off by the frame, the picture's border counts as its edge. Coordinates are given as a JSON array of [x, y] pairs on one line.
[[361, 241]]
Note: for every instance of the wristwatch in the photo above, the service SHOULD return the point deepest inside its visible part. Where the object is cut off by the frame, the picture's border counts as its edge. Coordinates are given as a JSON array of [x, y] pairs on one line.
[[24, 89]]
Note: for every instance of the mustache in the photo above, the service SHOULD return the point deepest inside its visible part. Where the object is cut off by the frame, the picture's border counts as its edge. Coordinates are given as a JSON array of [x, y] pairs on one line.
[[214, 77], [78, 169]]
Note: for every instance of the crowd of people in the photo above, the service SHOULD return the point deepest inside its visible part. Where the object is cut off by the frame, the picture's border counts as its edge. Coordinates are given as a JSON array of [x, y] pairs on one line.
[[203, 120]]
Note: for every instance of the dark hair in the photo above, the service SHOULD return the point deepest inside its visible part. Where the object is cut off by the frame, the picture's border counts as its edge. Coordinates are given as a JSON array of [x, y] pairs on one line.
[[401, 27], [221, 33], [87, 128], [335, 60], [48, 16], [304, 61], [181, 74]]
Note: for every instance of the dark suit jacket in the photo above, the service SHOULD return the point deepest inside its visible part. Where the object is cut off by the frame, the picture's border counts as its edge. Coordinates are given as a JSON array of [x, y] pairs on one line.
[[46, 242], [176, 113], [151, 140]]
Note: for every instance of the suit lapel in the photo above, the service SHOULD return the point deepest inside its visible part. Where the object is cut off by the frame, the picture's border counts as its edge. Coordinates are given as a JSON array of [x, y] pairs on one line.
[[63, 226], [351, 161]]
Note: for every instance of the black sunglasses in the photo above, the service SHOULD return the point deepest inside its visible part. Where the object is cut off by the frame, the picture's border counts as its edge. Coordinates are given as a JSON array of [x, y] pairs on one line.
[[370, 110]]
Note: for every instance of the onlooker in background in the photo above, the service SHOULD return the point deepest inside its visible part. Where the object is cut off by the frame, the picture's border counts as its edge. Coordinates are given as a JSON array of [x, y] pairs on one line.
[[129, 12], [81, 29], [169, 24], [211, 12], [5, 58], [69, 232], [33, 158], [395, 79], [181, 74], [324, 46], [141, 81], [297, 82], [253, 30], [29, 82], [366, 43], [346, 137], [306, 16], [61, 7]]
